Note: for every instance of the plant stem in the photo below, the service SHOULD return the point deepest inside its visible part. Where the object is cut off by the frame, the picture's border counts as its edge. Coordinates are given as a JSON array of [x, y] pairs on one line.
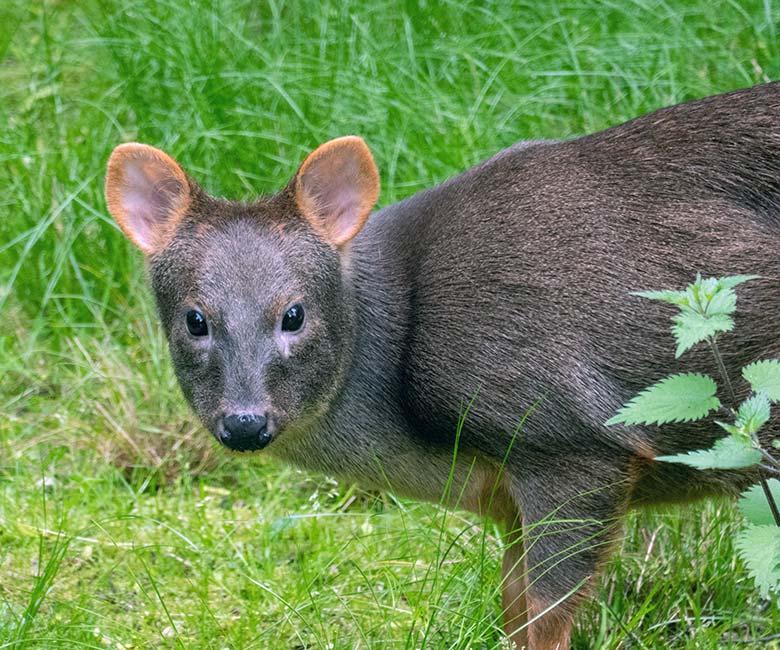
[[732, 396], [723, 372], [770, 459], [771, 500]]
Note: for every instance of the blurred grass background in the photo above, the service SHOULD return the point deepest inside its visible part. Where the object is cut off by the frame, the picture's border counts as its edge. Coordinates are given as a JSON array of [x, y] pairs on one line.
[[121, 525]]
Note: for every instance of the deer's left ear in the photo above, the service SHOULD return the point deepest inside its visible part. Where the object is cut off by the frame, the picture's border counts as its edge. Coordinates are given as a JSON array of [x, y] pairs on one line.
[[336, 188]]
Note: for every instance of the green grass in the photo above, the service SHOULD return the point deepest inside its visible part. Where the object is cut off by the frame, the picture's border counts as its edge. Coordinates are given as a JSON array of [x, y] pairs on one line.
[[121, 525]]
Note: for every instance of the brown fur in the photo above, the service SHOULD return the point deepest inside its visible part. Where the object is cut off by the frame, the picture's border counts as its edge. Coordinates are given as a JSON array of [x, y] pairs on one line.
[[475, 337]]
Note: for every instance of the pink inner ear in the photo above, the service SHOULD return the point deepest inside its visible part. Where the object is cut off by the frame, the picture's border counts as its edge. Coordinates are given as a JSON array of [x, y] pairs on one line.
[[143, 206], [338, 185], [335, 191], [146, 190]]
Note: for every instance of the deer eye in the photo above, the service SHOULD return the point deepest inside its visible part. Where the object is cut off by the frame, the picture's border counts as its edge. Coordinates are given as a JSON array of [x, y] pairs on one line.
[[196, 323], [293, 319]]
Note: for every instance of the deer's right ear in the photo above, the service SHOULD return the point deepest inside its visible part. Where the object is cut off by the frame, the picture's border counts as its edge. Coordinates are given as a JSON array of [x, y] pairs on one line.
[[147, 194]]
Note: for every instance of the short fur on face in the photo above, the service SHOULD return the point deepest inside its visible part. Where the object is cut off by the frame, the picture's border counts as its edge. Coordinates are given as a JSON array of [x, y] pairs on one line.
[[242, 266]]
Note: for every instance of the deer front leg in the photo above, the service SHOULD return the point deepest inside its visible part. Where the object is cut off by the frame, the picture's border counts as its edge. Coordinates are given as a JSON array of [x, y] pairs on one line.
[[571, 510], [551, 629], [514, 585]]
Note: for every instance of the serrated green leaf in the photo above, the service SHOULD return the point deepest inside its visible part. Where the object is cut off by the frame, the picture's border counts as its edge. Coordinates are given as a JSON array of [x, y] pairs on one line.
[[753, 413], [678, 398], [700, 292], [764, 376], [759, 548], [754, 506], [732, 429], [731, 452], [691, 328], [665, 295], [714, 295], [731, 281], [723, 303]]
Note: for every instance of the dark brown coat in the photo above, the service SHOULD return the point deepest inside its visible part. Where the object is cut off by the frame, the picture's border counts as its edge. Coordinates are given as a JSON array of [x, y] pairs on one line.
[[488, 319]]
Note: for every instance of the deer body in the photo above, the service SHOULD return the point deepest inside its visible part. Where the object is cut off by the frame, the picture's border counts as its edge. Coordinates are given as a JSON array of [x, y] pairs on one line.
[[475, 337]]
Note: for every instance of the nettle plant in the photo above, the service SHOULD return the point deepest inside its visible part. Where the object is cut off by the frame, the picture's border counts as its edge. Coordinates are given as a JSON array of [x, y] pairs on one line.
[[705, 310]]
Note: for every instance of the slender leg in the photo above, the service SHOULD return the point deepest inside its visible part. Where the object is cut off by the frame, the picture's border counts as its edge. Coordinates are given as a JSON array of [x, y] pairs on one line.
[[552, 631], [514, 585], [571, 509]]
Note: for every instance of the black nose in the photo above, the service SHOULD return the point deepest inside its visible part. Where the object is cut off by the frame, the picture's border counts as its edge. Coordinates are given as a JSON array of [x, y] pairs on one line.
[[245, 432]]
